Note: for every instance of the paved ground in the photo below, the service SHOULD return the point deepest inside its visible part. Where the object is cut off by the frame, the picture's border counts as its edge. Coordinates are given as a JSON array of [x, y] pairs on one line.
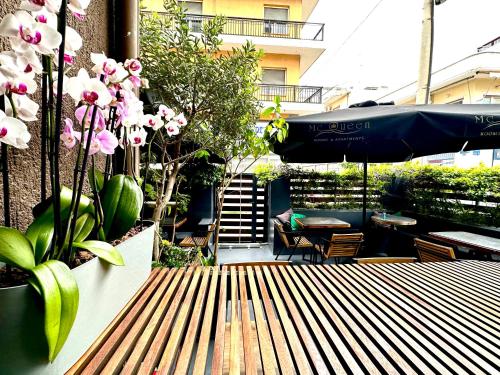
[[253, 254]]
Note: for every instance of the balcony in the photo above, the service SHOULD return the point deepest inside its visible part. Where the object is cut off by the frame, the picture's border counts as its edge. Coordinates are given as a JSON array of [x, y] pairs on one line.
[[291, 94], [260, 27]]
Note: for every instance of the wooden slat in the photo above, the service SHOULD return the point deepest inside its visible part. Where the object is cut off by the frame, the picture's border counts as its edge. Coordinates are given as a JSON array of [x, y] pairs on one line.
[[204, 340], [305, 334], [172, 348], [235, 354], [268, 358], [296, 348], [153, 356], [94, 348], [144, 342], [446, 327], [106, 351], [194, 323], [246, 325], [278, 337], [220, 329], [374, 318]]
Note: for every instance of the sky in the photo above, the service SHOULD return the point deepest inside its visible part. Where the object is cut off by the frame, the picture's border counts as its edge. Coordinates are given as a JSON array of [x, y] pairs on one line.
[[377, 42]]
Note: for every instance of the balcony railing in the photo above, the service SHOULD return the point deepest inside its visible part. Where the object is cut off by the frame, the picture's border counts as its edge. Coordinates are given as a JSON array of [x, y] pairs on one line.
[[289, 93], [259, 27]]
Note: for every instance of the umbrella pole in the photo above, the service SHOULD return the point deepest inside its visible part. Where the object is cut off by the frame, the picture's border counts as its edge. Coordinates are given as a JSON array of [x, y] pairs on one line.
[[365, 182]]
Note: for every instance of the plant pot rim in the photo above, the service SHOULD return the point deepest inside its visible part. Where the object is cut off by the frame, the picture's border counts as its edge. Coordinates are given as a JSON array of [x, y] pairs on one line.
[[84, 264]]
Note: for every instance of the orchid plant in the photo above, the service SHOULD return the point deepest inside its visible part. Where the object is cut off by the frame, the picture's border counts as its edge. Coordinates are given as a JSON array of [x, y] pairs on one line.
[[108, 115]]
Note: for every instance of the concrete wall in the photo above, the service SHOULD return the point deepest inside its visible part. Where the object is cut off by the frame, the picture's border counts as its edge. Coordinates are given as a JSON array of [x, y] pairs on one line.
[[25, 164]]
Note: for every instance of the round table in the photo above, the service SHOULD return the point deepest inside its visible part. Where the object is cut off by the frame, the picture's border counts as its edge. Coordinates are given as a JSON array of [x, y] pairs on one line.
[[393, 220]]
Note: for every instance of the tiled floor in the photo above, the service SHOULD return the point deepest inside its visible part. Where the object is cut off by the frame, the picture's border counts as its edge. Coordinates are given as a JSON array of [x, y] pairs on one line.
[[263, 252]]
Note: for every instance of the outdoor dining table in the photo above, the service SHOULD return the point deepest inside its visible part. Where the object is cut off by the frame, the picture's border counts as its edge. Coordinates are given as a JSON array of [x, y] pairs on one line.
[[393, 220], [360, 318], [321, 223], [478, 242]]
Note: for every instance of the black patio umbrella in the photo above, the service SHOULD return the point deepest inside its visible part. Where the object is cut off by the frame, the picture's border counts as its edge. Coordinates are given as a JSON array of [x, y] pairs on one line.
[[384, 134]]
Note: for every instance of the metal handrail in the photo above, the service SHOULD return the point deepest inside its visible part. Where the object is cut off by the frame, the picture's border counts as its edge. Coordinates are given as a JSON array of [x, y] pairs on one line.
[[291, 93], [258, 27]]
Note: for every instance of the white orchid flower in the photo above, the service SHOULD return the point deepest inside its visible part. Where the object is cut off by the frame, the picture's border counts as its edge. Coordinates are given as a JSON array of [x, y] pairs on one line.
[[26, 109], [51, 6], [152, 121], [89, 90], [172, 128], [13, 132], [180, 119], [13, 64], [134, 66], [137, 138], [78, 7], [25, 33], [113, 72], [166, 112]]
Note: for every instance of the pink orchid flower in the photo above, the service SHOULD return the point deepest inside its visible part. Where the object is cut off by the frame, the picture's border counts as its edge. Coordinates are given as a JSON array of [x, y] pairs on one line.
[[172, 128], [134, 66], [100, 121], [69, 136], [137, 138], [154, 122], [104, 141], [180, 119], [166, 112]]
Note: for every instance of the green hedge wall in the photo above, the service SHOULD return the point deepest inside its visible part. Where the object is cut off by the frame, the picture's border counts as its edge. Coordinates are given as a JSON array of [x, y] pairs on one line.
[[466, 195]]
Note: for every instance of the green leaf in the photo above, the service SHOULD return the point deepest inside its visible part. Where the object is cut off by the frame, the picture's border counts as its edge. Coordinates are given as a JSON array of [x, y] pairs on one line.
[[277, 100], [96, 179], [16, 249], [59, 291], [84, 226], [267, 112], [121, 203], [202, 154], [41, 230], [103, 250]]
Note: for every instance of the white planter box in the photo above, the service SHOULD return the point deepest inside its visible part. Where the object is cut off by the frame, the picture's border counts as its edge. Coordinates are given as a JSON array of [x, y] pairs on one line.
[[104, 291]]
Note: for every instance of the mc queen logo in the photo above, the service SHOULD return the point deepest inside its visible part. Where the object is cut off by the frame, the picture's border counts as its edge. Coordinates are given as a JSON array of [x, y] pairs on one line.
[[487, 122], [341, 128]]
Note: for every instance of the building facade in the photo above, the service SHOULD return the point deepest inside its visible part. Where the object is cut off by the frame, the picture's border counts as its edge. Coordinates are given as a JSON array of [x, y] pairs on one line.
[[278, 27]]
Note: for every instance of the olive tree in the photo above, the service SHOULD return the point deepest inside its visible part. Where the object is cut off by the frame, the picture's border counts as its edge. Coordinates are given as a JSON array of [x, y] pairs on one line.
[[192, 75]]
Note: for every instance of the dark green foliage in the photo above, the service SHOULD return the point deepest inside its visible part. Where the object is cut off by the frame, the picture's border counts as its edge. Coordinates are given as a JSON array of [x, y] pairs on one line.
[[465, 195]]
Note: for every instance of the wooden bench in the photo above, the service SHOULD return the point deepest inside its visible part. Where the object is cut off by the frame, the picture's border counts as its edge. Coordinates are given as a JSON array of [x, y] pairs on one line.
[[370, 318]]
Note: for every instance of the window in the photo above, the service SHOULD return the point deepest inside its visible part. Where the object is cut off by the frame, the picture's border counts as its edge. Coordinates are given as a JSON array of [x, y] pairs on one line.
[[276, 78], [193, 10], [275, 20]]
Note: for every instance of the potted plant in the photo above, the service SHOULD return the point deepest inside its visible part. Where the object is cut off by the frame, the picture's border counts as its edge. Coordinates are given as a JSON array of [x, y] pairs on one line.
[[62, 305]]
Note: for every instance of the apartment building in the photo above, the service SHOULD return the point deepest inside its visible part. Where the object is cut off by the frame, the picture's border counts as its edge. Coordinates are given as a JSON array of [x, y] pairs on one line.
[[278, 27]]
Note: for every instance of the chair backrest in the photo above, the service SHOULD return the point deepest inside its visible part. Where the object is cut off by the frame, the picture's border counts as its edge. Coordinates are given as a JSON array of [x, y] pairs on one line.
[[263, 263], [432, 252], [281, 233], [344, 245], [386, 260]]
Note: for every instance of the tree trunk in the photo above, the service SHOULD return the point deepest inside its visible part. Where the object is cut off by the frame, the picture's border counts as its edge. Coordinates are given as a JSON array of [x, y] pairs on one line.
[[220, 203], [426, 49]]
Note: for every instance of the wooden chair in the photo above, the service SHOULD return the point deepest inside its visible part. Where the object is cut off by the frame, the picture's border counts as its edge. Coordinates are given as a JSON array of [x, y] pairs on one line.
[[432, 252], [292, 240], [340, 245], [263, 263], [385, 260], [199, 239]]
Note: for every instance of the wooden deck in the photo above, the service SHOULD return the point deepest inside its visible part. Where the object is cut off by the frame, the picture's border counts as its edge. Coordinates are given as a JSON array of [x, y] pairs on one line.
[[365, 318]]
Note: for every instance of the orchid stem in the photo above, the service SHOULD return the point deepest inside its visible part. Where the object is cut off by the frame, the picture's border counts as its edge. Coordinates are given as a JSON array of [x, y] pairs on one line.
[[74, 216], [45, 121], [146, 171], [97, 199], [56, 189], [5, 175]]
